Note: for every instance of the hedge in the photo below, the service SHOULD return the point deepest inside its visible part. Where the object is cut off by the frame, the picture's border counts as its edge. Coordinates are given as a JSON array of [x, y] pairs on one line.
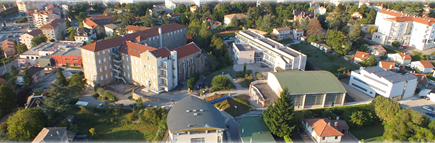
[[192, 81]]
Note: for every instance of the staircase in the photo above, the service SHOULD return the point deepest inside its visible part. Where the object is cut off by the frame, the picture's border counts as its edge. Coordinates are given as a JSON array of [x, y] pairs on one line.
[[117, 62]]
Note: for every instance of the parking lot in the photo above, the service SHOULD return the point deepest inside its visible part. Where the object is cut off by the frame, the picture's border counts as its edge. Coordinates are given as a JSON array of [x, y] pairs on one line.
[[416, 103]]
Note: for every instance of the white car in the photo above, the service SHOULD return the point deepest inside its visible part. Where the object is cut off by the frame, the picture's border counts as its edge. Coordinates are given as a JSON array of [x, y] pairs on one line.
[[428, 108]]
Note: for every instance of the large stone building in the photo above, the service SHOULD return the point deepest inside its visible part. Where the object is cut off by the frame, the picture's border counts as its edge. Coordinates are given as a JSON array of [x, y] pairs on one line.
[[26, 38], [24, 6], [408, 30], [37, 18], [133, 58], [54, 29], [97, 23]]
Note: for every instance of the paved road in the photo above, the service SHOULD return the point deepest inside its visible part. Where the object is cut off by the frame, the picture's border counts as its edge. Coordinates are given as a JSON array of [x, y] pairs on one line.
[[6, 67], [416, 103]]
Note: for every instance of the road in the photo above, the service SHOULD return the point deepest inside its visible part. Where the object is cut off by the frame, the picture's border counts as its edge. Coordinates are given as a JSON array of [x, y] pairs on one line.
[[6, 66]]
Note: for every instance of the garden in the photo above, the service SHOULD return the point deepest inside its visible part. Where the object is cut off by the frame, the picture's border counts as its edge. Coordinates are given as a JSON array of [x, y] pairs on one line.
[[241, 101], [243, 77], [104, 95]]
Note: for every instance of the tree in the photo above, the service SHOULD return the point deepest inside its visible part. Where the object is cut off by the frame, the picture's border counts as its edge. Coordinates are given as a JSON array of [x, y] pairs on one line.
[[149, 21], [312, 38], [385, 108], [355, 33], [8, 99], [372, 29], [221, 82], [361, 118], [244, 68], [67, 24], [38, 40], [62, 35], [14, 70], [364, 48], [314, 27], [127, 18], [79, 80], [167, 20], [58, 100], [371, 17], [279, 116], [371, 61], [21, 48], [396, 44], [27, 77], [25, 124], [407, 125], [60, 79], [72, 34]]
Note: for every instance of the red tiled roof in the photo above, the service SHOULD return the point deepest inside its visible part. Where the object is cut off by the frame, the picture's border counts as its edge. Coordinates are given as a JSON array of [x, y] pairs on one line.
[[104, 44], [35, 32], [134, 49], [162, 52], [387, 65], [237, 15], [362, 55], [399, 17], [100, 17], [323, 128], [136, 28], [187, 50], [9, 53], [421, 77], [426, 64], [53, 23], [405, 56], [90, 23]]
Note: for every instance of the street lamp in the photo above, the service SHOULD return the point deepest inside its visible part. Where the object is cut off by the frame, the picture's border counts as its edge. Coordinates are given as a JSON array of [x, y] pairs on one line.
[[235, 109]]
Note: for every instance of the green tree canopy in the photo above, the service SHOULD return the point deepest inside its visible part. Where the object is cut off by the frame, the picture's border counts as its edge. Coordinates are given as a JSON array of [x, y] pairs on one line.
[[279, 116], [27, 77], [8, 99], [221, 82], [79, 80], [58, 100], [60, 79], [38, 40], [25, 124], [407, 125], [385, 108], [314, 27]]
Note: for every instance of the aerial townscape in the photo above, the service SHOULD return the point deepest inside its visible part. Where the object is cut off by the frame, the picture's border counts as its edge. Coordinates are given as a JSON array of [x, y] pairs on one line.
[[217, 71]]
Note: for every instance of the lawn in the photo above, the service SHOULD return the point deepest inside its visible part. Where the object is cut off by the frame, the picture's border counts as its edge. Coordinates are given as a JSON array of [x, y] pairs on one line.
[[223, 35], [244, 79], [322, 60], [372, 133], [241, 101], [391, 49], [118, 130], [286, 41], [219, 71], [259, 76]]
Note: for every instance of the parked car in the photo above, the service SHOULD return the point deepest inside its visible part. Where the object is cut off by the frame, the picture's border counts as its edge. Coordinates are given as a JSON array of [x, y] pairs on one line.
[[431, 114], [101, 105], [428, 108], [226, 38]]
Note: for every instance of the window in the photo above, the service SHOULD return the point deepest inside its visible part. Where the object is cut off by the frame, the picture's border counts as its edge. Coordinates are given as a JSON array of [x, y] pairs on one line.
[[99, 61], [336, 137], [104, 52], [66, 59], [107, 76], [111, 74], [101, 69], [110, 66], [323, 138], [102, 77], [128, 67], [74, 59], [104, 59], [105, 67], [110, 58]]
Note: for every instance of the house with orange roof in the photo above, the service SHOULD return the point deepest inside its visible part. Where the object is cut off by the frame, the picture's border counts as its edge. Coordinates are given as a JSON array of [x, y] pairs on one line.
[[229, 17], [135, 28], [193, 8], [324, 130], [9, 48], [360, 56], [387, 65], [408, 30], [423, 66], [282, 32], [377, 50], [400, 58], [357, 15], [97, 23], [54, 28], [422, 79]]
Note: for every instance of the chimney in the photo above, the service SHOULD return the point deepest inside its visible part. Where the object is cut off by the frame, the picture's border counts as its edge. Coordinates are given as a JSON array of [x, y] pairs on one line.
[[336, 124], [160, 37], [391, 66], [329, 123]]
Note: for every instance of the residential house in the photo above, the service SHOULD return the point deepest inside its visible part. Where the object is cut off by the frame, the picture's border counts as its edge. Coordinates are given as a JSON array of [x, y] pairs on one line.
[[54, 8], [334, 2], [9, 48], [176, 16], [25, 6], [97, 23], [193, 8], [37, 74], [356, 15], [54, 134], [314, 4], [322, 46], [26, 38], [300, 15], [37, 18], [171, 4], [213, 24], [408, 30], [85, 35], [322, 90], [321, 10], [364, 2], [422, 80], [258, 133], [324, 130], [375, 81], [110, 29], [282, 33], [377, 6], [387, 65], [265, 50], [32, 56], [298, 33], [34, 101], [54, 29], [134, 28], [304, 38], [202, 122], [377, 50], [229, 17], [400, 58], [423, 66], [190, 60]]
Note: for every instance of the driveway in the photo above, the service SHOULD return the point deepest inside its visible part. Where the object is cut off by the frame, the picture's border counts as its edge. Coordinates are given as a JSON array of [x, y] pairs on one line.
[[416, 103], [356, 94], [87, 97]]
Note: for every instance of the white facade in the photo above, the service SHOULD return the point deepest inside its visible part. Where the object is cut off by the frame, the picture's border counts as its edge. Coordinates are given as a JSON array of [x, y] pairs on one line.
[[272, 53], [398, 58], [243, 55], [207, 136], [409, 30], [423, 68], [375, 81], [321, 10], [329, 139]]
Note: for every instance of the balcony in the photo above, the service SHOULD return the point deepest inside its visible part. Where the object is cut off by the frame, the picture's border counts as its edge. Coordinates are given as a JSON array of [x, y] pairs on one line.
[[117, 60], [163, 67], [116, 70]]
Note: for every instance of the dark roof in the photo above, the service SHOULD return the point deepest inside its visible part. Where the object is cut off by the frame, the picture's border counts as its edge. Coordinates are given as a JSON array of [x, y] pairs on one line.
[[109, 43], [187, 50], [181, 117], [83, 32], [134, 49], [35, 32], [53, 23], [34, 101], [32, 70], [52, 134]]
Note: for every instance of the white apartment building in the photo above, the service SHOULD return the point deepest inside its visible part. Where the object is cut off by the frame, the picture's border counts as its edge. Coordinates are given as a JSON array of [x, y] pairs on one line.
[[268, 51], [24, 6], [375, 81], [37, 18], [409, 30]]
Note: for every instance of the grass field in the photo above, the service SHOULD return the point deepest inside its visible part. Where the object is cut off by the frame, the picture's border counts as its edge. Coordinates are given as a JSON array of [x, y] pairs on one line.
[[244, 79], [391, 50], [286, 41], [372, 133], [240, 101], [219, 71], [322, 60]]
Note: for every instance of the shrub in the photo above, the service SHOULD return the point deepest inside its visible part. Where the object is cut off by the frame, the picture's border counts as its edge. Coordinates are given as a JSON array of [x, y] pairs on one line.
[[92, 131], [101, 91], [131, 116], [287, 139], [192, 80], [215, 96], [259, 76], [109, 95], [221, 82]]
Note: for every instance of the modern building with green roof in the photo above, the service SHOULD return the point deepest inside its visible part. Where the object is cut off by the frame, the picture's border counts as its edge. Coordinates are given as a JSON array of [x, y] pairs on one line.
[[252, 129], [308, 89]]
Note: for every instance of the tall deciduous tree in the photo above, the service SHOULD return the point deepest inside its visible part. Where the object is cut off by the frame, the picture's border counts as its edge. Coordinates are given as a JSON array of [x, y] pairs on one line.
[[314, 27], [355, 33], [58, 100], [8, 99], [26, 124], [279, 116], [79, 80], [60, 79], [385, 108], [27, 77], [72, 35], [408, 125], [371, 17]]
